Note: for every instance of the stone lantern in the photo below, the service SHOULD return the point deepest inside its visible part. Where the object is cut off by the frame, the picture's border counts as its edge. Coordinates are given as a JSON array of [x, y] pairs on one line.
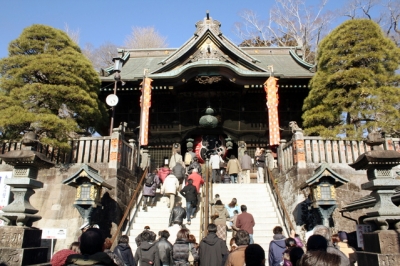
[[323, 186], [19, 242], [88, 184]]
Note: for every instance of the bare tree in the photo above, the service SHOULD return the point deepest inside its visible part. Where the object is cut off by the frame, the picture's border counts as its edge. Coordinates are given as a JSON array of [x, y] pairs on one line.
[[102, 56], [72, 34], [146, 37], [290, 22], [388, 17], [391, 23], [360, 8]]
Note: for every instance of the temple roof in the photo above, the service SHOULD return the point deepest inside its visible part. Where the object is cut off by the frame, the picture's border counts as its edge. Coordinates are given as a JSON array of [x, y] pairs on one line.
[[325, 171], [209, 48]]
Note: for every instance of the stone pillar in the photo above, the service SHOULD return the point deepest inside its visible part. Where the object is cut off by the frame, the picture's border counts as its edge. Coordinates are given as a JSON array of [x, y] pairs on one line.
[[115, 149], [299, 153]]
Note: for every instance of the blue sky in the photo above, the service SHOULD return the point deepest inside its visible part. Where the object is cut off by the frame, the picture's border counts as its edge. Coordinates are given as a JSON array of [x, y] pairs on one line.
[[100, 21]]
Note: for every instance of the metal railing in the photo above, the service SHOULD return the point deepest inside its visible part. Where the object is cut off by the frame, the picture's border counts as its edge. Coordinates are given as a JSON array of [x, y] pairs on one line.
[[287, 223]]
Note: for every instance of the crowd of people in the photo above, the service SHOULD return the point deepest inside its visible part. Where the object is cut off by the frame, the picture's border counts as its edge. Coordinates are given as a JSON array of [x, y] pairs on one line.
[[177, 246]]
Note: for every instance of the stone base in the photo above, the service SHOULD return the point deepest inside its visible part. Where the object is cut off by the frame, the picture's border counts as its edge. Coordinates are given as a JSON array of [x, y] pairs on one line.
[[382, 242], [369, 258], [23, 256], [19, 237], [381, 248]]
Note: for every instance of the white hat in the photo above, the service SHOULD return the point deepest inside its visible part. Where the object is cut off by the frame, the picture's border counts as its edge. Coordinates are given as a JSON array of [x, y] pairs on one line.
[[85, 225], [96, 226]]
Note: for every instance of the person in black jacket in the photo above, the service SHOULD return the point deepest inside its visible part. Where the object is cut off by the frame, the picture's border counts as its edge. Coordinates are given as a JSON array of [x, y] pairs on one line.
[[190, 194], [147, 253], [165, 249], [177, 214], [212, 250], [124, 251]]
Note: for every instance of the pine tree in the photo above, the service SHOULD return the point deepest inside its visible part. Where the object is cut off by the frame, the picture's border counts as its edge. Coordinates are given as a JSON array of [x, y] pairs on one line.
[[49, 86], [356, 88]]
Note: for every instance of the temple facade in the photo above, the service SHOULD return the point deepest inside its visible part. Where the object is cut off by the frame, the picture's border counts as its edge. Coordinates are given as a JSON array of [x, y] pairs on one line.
[[209, 71]]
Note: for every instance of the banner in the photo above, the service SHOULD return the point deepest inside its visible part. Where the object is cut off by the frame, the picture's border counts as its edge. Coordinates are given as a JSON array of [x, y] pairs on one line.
[[145, 104], [4, 191], [271, 89]]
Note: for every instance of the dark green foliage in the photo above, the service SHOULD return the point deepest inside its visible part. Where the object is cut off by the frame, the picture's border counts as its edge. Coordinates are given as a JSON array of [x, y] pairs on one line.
[[355, 89], [47, 84]]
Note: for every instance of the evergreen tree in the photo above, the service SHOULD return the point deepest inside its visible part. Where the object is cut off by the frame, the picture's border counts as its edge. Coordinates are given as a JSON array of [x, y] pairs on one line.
[[356, 88], [48, 85]]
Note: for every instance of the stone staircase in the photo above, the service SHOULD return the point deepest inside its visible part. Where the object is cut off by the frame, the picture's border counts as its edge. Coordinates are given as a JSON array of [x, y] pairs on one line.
[[157, 218], [255, 196], [259, 203]]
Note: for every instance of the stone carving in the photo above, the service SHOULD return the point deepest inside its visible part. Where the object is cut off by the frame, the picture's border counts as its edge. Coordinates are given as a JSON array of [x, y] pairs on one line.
[[295, 128], [208, 79]]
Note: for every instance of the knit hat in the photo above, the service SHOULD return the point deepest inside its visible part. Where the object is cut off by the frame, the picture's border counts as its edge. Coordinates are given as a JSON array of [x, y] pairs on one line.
[[342, 236], [60, 257]]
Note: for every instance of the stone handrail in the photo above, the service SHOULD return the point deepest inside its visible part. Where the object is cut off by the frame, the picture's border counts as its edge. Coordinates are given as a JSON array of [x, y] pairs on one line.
[[287, 222], [90, 150], [315, 150]]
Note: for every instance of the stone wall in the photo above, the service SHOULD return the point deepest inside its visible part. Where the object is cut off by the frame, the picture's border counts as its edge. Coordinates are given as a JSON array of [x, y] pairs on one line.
[[55, 200], [290, 183]]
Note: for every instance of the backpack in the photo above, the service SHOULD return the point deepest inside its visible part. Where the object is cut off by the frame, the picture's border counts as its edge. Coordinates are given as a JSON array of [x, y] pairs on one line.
[[149, 180], [188, 158], [178, 171]]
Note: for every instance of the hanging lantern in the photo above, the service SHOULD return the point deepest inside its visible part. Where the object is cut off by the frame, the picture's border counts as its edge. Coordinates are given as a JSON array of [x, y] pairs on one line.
[[228, 143]]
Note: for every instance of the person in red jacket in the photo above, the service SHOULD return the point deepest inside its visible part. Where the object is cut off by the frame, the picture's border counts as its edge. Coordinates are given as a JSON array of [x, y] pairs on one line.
[[197, 179], [163, 172]]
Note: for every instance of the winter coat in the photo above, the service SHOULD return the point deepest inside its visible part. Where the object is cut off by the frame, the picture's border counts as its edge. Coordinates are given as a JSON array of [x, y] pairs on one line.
[[215, 160], [177, 215], [162, 173], [151, 191], [236, 257], [165, 251], [181, 252], [175, 158], [197, 181], [260, 160], [245, 162], [99, 258], [212, 251], [245, 221], [222, 214], [124, 252], [233, 167], [147, 251], [189, 192], [171, 185], [230, 209], [179, 171], [348, 251], [344, 261], [194, 165], [276, 249]]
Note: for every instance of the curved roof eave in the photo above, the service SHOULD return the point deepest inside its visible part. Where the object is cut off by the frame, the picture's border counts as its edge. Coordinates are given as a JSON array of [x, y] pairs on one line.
[[207, 63]]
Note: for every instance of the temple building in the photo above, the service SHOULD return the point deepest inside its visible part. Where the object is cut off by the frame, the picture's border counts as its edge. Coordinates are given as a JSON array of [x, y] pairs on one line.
[[208, 90]]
